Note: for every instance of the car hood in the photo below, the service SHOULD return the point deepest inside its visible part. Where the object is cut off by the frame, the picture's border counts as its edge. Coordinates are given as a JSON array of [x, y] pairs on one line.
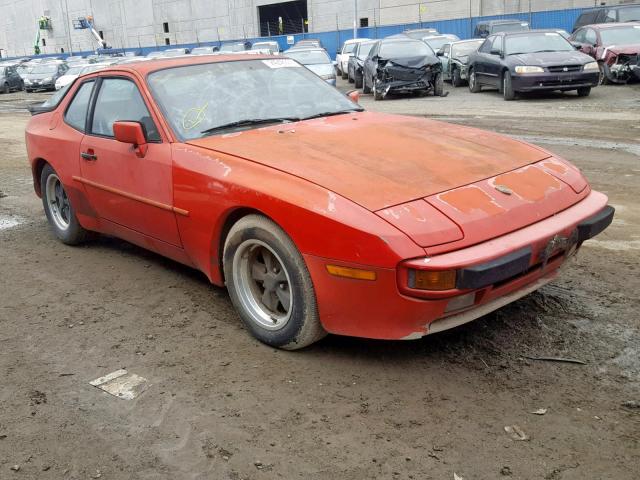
[[321, 68], [411, 62], [378, 160], [544, 59], [624, 49], [39, 76]]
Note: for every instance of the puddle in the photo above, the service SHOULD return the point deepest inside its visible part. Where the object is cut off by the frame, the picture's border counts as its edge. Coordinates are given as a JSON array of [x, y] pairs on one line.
[[632, 148], [7, 222]]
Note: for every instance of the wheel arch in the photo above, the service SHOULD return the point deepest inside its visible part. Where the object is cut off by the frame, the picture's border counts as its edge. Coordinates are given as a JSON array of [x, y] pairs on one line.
[[36, 169]]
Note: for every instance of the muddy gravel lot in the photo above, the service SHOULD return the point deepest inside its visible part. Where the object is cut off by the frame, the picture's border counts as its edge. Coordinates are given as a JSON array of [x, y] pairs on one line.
[[220, 405]]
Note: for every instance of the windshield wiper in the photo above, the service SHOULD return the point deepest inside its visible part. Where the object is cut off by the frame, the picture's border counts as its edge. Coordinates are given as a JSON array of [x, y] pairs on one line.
[[249, 122], [330, 114]]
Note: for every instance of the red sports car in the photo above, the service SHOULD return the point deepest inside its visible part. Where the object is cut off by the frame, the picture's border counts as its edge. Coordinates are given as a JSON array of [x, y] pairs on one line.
[[317, 216]]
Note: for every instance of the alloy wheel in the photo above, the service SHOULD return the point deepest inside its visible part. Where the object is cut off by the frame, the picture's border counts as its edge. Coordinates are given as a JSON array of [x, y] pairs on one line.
[[58, 202]]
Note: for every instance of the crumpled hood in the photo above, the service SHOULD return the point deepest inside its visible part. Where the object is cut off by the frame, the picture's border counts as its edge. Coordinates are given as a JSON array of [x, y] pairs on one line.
[[378, 160], [623, 49], [546, 59], [411, 62]]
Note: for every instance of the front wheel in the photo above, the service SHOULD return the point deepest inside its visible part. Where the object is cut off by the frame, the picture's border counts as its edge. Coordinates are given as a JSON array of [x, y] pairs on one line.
[[365, 87], [584, 91], [269, 284], [474, 86], [58, 208], [6, 88], [507, 87], [357, 80], [438, 85]]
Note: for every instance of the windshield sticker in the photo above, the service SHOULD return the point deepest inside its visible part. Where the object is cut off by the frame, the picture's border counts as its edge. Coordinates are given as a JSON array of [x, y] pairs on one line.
[[193, 117], [281, 63]]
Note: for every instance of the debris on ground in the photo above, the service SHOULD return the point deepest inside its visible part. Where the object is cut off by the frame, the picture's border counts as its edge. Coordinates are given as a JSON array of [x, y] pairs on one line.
[[15, 468], [540, 411], [631, 404], [557, 359], [516, 433], [505, 471], [121, 384]]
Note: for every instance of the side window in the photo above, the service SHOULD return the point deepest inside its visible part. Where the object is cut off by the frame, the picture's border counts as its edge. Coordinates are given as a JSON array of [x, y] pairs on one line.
[[120, 99], [497, 43], [611, 16], [76, 114], [486, 46], [590, 36], [374, 51], [446, 50], [579, 36]]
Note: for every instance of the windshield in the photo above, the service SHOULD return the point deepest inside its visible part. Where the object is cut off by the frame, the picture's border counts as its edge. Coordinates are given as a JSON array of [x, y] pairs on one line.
[[627, 35], [537, 42], [510, 27], [436, 43], [349, 47], [44, 69], [365, 48], [465, 48], [309, 57], [232, 47], [75, 70], [196, 98], [404, 49], [629, 14]]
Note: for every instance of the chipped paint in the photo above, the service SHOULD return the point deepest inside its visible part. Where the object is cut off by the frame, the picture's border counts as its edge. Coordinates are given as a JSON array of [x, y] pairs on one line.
[[470, 199], [529, 183], [331, 206]]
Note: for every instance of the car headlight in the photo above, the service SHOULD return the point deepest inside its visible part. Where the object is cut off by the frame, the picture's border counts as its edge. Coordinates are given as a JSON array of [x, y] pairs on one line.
[[591, 66], [26, 80], [48, 79], [529, 69]]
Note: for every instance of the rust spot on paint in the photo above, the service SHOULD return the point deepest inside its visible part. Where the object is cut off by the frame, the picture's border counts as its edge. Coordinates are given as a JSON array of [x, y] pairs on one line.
[[529, 183], [468, 199]]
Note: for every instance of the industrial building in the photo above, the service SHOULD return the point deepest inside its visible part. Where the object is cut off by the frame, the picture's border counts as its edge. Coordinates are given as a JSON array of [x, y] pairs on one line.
[[60, 26]]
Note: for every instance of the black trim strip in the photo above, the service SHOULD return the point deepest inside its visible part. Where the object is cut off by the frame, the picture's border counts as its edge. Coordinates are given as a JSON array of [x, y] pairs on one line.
[[502, 268], [594, 225]]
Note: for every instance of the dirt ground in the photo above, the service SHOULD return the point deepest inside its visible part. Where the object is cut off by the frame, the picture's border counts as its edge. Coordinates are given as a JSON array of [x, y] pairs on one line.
[[223, 406]]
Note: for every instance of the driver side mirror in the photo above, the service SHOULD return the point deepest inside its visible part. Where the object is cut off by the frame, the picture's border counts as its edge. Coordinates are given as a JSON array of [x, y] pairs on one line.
[[132, 133], [354, 95], [495, 51], [577, 45], [440, 53]]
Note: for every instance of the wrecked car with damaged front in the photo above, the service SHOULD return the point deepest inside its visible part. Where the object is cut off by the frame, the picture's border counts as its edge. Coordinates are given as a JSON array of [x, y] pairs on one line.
[[397, 65], [616, 47]]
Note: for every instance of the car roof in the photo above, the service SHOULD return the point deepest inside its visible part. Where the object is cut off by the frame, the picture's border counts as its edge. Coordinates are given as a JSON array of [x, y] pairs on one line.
[[399, 40], [606, 26], [526, 32], [501, 22], [146, 67]]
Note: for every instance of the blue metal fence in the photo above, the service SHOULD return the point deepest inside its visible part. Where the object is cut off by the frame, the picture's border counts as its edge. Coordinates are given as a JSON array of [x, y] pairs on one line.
[[462, 27]]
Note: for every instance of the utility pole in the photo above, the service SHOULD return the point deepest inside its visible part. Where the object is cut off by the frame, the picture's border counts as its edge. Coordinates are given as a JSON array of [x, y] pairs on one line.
[[355, 18], [67, 28]]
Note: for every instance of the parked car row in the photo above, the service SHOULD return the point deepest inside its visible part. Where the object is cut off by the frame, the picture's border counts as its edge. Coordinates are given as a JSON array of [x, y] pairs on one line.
[[509, 57]]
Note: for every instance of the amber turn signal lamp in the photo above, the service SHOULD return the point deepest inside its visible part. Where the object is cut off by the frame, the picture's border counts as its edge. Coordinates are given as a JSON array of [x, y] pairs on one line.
[[347, 272], [432, 279]]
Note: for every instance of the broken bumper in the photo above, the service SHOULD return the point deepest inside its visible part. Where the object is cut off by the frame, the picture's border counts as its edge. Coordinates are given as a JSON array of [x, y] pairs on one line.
[[495, 273], [554, 81]]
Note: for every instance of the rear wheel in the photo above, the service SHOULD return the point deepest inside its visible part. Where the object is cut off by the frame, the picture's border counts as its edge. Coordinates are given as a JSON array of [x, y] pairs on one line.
[[474, 86], [344, 75], [269, 284], [584, 91], [456, 81], [58, 208], [507, 87], [6, 88]]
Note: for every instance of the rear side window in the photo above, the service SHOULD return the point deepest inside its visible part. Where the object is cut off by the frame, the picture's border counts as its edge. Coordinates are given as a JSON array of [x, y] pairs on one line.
[[120, 100], [590, 36], [76, 114]]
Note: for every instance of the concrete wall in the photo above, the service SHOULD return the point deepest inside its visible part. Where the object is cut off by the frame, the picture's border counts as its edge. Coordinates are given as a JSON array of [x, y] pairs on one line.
[[139, 23]]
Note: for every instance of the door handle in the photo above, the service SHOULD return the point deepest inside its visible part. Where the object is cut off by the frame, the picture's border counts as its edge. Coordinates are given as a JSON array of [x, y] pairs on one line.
[[89, 156]]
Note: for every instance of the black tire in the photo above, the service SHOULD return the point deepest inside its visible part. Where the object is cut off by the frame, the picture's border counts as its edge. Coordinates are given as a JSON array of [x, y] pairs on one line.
[[74, 233], [438, 85], [349, 77], [584, 91], [357, 80], [507, 87], [6, 88], [474, 86], [303, 326], [456, 81], [377, 95], [344, 76], [604, 74], [365, 87]]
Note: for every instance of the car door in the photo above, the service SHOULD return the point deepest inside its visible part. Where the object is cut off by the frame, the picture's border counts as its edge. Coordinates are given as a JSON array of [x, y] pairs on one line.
[[494, 61], [370, 65], [482, 60], [133, 192]]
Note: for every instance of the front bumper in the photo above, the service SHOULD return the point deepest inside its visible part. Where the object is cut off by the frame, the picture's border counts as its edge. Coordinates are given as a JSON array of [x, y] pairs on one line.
[[494, 274], [40, 85], [528, 82]]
